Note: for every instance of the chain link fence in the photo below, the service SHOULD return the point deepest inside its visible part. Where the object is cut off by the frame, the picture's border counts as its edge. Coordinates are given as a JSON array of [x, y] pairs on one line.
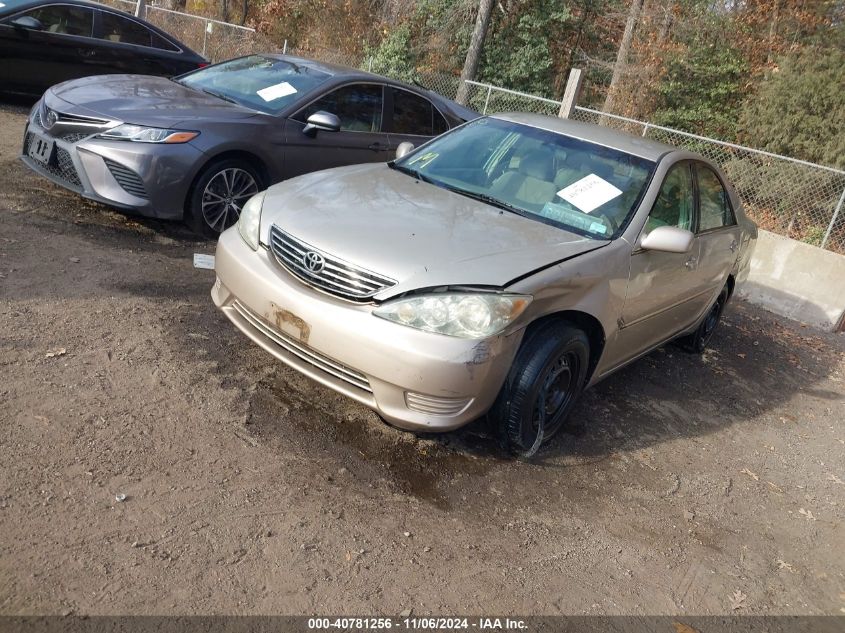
[[784, 195], [213, 39]]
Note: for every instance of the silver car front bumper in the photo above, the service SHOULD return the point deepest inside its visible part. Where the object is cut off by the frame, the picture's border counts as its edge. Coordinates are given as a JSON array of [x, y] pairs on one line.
[[416, 380], [144, 178]]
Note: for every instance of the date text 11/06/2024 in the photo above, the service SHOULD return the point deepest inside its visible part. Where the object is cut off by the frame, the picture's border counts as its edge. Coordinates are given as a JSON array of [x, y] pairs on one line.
[[419, 624]]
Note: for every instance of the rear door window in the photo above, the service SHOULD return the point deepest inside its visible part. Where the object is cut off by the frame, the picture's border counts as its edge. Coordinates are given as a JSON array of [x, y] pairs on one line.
[[416, 115], [116, 28], [714, 206], [65, 19]]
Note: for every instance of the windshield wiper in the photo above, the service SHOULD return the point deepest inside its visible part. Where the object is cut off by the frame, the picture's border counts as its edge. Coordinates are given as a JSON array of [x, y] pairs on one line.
[[219, 95], [483, 197], [411, 172]]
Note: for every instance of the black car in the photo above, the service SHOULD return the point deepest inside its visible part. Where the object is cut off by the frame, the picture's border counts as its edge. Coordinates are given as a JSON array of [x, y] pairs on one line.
[[45, 42]]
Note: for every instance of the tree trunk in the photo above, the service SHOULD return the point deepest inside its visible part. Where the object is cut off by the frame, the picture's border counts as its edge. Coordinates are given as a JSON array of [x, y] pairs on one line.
[[622, 54], [475, 46]]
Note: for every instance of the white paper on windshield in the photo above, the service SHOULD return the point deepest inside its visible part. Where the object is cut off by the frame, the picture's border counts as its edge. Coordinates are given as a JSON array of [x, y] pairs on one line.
[[589, 193], [271, 93]]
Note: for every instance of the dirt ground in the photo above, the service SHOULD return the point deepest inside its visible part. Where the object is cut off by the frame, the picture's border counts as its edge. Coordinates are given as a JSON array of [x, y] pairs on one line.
[[684, 485]]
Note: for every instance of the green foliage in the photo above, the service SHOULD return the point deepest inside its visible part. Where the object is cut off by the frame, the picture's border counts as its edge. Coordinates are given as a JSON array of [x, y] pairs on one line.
[[702, 89], [518, 49], [393, 56], [800, 109]]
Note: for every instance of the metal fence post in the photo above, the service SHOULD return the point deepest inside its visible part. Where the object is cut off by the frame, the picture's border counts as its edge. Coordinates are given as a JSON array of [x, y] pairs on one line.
[[645, 129], [285, 47], [370, 64], [570, 94], [205, 37], [834, 218], [487, 100]]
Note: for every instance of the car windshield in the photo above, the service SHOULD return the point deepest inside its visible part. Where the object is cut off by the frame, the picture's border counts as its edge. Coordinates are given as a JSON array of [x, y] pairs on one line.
[[263, 83], [569, 183]]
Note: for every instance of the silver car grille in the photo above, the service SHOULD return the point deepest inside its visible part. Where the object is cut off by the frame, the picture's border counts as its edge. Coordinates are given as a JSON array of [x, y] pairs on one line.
[[323, 271], [67, 126], [303, 352], [61, 165]]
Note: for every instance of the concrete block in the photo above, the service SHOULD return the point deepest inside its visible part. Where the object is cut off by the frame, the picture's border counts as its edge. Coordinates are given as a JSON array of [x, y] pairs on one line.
[[796, 280]]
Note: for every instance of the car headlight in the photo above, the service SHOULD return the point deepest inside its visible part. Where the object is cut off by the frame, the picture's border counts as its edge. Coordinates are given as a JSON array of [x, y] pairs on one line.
[[249, 222], [143, 134], [466, 315]]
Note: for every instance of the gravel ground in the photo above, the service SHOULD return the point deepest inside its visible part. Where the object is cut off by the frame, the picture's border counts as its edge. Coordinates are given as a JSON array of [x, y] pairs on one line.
[[685, 484]]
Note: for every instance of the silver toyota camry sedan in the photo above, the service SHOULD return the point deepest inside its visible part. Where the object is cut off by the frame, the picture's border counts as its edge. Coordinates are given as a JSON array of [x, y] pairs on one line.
[[499, 269]]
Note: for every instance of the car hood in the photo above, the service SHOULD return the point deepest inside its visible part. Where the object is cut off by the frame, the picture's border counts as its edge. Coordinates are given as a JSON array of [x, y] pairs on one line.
[[140, 99], [421, 235]]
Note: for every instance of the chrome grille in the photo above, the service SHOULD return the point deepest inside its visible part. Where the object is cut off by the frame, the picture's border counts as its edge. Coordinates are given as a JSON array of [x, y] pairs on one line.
[[127, 179], [68, 119], [336, 276], [303, 352]]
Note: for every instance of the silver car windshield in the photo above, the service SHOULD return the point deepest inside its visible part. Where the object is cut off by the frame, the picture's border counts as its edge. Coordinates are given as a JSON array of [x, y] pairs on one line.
[[263, 83], [566, 182]]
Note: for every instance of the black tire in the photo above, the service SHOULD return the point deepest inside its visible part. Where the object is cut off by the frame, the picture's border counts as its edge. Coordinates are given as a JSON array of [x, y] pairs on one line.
[[555, 356], [215, 201], [697, 342]]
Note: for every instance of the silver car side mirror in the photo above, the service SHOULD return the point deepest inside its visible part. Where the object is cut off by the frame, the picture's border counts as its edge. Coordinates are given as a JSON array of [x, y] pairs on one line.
[[28, 23], [321, 120], [668, 239], [404, 148]]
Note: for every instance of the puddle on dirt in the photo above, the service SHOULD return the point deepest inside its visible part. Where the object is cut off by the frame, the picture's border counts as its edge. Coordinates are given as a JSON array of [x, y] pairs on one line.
[[420, 466]]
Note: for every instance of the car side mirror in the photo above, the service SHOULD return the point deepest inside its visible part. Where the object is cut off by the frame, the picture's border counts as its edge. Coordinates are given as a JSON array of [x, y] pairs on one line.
[[404, 148], [668, 239], [27, 22], [321, 120]]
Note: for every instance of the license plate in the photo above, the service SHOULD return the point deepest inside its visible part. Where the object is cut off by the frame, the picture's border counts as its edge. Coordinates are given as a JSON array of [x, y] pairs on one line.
[[41, 149]]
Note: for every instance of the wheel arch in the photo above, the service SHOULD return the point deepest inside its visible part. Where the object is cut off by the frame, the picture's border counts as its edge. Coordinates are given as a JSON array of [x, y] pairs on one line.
[[586, 322], [232, 154]]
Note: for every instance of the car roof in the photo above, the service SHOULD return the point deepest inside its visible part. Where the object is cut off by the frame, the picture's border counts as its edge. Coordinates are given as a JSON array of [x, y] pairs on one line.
[[356, 74], [599, 134]]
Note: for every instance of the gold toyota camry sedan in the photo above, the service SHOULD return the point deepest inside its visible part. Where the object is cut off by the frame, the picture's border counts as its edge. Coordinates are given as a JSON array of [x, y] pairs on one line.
[[499, 269]]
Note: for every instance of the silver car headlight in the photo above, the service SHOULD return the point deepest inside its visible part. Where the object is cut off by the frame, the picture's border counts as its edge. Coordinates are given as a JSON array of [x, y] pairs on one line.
[[465, 314], [143, 134], [249, 222]]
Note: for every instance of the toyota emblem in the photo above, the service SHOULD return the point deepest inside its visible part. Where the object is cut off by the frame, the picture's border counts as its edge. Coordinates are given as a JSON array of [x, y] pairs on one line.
[[51, 119], [313, 262]]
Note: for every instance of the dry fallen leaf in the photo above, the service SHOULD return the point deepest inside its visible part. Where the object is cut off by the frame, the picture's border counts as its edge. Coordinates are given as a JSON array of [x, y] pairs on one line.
[[737, 598], [807, 514], [741, 355], [784, 565], [683, 628], [754, 476], [55, 352], [836, 479], [774, 486]]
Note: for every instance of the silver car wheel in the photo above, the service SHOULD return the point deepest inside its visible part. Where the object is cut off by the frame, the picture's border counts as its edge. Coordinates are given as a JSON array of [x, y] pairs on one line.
[[225, 195]]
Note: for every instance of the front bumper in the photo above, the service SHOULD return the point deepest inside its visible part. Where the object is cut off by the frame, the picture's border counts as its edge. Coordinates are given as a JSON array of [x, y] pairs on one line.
[[416, 380], [143, 178]]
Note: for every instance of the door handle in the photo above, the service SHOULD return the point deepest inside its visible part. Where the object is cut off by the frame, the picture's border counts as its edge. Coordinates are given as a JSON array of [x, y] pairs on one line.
[[690, 263], [376, 146], [86, 52]]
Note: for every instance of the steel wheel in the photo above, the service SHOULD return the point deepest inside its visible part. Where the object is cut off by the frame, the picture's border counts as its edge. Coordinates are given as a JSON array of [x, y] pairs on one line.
[[552, 399], [543, 385], [225, 195]]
